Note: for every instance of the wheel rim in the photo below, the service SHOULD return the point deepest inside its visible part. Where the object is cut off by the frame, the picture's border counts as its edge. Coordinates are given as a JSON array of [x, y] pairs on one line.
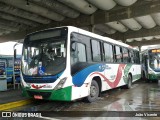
[[93, 91]]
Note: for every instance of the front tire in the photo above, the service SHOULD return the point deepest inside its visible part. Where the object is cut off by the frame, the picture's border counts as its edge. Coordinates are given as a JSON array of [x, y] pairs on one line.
[[94, 92]]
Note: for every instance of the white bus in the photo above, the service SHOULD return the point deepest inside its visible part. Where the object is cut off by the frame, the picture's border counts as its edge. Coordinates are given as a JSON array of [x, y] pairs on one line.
[[68, 63]]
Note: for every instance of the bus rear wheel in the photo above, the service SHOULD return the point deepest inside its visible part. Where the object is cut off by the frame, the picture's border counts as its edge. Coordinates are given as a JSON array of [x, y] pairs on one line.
[[129, 82], [94, 92]]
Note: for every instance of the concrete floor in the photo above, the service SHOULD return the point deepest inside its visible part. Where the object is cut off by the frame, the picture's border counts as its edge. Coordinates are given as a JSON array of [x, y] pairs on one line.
[[141, 97]]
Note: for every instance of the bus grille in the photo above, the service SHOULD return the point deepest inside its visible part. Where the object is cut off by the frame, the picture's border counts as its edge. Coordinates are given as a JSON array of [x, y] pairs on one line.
[[43, 94]]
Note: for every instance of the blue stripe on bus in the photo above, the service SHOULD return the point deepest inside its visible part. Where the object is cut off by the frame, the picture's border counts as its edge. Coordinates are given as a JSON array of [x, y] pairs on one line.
[[79, 78], [41, 79]]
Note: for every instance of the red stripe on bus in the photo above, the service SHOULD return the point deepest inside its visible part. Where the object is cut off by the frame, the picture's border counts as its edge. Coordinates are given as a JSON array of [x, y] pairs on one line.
[[117, 79], [37, 87]]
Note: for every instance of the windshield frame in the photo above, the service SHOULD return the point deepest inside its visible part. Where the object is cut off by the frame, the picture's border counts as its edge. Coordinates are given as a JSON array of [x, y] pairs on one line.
[[64, 36]]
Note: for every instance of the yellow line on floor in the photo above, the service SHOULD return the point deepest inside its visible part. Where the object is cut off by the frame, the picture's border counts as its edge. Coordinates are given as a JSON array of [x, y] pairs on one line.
[[12, 105]]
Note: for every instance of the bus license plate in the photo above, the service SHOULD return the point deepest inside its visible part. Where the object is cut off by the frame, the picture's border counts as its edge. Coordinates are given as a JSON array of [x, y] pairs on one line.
[[38, 97]]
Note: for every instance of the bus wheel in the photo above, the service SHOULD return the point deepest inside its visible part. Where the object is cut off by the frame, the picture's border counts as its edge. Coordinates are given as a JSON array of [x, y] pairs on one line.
[[129, 82], [94, 92]]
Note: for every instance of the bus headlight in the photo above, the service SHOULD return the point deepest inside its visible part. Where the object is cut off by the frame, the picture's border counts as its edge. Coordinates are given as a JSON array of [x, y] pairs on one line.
[[60, 84], [150, 72]]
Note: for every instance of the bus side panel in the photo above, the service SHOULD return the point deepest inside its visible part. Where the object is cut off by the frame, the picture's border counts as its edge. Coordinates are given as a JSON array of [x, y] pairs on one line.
[[134, 70], [116, 75], [80, 92], [113, 76], [138, 73], [82, 79]]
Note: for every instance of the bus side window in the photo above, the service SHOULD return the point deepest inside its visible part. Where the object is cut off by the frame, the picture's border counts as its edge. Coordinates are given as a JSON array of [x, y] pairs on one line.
[[125, 55], [131, 56], [118, 54], [96, 52], [108, 52], [78, 52]]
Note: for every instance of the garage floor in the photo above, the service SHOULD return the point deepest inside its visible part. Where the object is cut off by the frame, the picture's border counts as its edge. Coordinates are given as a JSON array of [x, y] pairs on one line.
[[141, 97]]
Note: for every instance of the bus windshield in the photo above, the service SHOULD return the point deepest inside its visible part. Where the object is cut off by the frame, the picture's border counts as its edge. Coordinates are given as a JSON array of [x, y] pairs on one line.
[[44, 55], [154, 59]]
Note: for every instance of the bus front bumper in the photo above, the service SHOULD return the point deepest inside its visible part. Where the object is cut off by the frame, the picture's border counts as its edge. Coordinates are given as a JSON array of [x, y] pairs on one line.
[[154, 76], [63, 94]]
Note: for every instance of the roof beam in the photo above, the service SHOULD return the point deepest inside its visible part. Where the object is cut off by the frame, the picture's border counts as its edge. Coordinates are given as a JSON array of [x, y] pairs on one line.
[[20, 35], [118, 36], [120, 13], [144, 42], [143, 33], [140, 8]]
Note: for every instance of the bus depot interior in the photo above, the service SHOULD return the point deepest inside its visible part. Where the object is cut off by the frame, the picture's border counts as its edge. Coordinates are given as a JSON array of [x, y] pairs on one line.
[[86, 58]]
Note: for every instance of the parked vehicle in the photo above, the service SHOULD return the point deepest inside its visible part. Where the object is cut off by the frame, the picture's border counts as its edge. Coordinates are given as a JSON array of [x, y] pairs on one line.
[[68, 63]]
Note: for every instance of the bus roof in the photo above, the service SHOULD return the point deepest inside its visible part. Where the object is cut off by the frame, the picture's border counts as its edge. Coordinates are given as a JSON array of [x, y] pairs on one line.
[[87, 33], [107, 39]]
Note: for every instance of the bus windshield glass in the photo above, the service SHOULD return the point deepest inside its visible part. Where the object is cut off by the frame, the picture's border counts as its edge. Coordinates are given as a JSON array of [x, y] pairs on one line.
[[44, 54], [154, 58]]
